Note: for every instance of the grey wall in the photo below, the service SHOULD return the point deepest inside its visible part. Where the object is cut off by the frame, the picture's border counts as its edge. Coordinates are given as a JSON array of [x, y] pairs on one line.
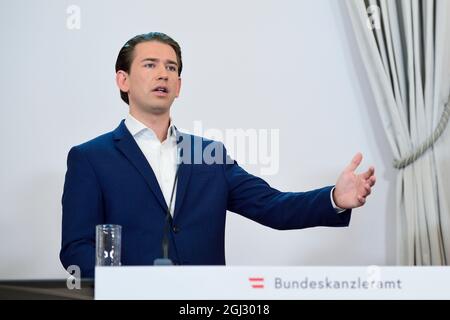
[[262, 65]]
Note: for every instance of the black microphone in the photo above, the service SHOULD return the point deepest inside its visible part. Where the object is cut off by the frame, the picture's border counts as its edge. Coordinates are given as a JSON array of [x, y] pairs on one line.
[[165, 261]]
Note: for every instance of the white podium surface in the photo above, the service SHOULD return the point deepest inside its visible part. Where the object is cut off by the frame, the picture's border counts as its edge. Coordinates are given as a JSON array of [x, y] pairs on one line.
[[271, 283]]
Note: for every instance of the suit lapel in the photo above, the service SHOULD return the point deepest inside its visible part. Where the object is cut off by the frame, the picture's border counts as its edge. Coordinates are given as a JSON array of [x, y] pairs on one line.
[[127, 145], [184, 174], [184, 144]]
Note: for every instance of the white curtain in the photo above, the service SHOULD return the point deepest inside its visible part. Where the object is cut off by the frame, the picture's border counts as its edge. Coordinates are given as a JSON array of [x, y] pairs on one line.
[[405, 47]]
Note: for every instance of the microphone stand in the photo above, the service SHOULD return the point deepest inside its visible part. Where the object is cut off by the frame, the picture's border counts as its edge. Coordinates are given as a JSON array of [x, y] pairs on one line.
[[165, 261]]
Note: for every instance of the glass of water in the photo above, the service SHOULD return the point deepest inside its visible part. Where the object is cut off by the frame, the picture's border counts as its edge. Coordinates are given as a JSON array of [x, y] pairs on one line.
[[108, 244]]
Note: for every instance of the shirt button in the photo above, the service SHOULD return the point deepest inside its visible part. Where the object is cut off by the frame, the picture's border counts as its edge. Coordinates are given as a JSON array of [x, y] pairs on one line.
[[176, 229]]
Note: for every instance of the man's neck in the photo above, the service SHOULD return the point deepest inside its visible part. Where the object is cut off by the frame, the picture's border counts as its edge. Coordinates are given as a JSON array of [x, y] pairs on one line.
[[158, 123]]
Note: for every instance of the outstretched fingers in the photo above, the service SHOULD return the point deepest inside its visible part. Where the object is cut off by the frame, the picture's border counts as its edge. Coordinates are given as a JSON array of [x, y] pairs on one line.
[[372, 180], [361, 200], [369, 173]]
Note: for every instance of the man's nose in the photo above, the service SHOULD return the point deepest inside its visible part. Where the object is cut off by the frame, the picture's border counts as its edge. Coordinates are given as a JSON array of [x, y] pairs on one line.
[[162, 74]]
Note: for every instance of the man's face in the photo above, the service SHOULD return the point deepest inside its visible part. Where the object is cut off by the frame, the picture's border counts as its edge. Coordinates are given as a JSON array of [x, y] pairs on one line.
[[152, 83]]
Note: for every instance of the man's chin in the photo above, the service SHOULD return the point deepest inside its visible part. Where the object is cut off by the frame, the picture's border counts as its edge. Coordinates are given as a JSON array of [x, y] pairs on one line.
[[158, 110]]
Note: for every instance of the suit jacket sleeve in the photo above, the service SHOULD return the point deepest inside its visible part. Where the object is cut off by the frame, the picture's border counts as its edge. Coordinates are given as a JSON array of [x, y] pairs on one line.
[[253, 198], [82, 211]]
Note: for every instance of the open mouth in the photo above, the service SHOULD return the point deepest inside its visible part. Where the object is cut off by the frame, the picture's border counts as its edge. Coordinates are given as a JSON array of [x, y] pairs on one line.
[[161, 91]]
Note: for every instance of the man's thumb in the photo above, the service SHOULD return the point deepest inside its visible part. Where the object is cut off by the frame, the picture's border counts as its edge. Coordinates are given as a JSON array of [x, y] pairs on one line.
[[355, 162]]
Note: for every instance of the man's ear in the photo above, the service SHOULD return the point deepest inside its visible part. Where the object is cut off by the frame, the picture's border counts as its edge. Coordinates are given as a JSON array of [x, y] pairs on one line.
[[122, 80], [179, 87]]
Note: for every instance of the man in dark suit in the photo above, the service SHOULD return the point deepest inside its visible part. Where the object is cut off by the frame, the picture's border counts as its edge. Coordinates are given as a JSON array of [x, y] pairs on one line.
[[146, 171]]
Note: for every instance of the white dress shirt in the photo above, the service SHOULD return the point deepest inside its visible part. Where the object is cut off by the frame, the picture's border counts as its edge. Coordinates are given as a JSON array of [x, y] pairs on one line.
[[162, 156]]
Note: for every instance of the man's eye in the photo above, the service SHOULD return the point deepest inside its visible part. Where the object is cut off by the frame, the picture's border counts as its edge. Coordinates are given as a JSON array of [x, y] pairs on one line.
[[172, 68], [149, 65]]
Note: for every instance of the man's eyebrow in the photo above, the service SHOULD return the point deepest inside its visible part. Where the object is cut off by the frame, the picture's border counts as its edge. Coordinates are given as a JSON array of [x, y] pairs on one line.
[[168, 61]]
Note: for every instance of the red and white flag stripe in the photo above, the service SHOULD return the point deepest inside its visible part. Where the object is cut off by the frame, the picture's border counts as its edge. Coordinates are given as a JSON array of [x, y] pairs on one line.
[[257, 283]]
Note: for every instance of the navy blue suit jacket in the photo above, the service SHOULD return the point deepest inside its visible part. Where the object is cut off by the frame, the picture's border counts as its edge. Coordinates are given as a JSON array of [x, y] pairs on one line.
[[109, 180]]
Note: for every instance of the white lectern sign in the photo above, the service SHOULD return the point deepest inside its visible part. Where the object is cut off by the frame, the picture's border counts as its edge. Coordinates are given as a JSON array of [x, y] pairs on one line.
[[271, 283]]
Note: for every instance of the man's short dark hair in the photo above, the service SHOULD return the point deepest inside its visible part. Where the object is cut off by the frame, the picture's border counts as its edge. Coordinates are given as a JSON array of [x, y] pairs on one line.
[[125, 57]]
